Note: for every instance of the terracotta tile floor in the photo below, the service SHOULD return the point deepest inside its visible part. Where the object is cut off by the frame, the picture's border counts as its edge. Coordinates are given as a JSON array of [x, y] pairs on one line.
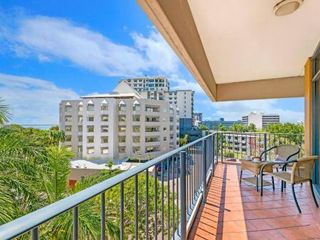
[[234, 212]]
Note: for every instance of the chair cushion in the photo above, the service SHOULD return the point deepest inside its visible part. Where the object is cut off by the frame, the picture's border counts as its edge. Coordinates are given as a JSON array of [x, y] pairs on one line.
[[286, 176]]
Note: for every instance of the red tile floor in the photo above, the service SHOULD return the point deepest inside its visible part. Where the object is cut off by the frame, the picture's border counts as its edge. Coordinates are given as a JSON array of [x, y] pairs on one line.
[[234, 212]]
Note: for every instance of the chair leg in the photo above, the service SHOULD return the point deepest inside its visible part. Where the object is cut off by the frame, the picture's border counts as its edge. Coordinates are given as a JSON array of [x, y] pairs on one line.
[[281, 186], [240, 176], [295, 198], [261, 184], [272, 180], [314, 197], [257, 182]]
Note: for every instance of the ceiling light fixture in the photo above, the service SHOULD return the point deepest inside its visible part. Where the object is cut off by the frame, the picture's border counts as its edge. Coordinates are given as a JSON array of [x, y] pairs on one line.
[[286, 7]]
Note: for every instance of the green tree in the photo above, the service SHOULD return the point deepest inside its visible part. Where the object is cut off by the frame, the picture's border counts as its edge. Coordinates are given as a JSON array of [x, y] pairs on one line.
[[251, 128], [184, 140], [4, 112], [237, 127], [287, 132], [203, 127]]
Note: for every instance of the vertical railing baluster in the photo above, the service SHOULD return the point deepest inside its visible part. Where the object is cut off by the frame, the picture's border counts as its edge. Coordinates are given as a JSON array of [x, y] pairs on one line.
[[204, 177], [168, 195], [156, 204], [75, 215], [136, 204], [173, 196], [147, 204], [35, 233], [183, 210], [162, 200], [103, 216], [121, 210], [177, 189], [213, 153]]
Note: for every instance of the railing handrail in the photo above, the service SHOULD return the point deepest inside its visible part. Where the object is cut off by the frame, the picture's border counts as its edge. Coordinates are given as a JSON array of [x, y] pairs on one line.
[[239, 133], [42, 215]]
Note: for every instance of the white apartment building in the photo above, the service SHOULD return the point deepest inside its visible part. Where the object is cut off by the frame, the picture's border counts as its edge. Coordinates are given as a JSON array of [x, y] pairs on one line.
[[260, 120], [119, 125], [158, 88]]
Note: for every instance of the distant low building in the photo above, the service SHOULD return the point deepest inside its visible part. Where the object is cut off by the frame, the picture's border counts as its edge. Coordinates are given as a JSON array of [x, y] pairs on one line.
[[214, 124], [260, 120]]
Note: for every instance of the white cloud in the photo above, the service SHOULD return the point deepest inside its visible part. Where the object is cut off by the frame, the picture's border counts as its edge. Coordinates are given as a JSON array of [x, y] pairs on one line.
[[49, 38], [31, 100], [236, 109], [182, 83]]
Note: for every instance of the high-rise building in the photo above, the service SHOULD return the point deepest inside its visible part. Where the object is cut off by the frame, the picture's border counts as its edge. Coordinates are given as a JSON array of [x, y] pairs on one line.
[[119, 125], [260, 120], [158, 88]]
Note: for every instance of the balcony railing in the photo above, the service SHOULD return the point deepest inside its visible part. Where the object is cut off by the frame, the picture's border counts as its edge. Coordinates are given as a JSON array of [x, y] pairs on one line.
[[174, 185], [238, 145], [179, 179]]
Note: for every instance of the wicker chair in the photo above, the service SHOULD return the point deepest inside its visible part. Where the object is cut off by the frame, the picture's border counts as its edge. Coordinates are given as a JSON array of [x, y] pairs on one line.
[[281, 153], [301, 172]]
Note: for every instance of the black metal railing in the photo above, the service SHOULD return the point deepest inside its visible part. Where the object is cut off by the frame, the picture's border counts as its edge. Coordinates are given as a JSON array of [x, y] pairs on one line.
[[239, 145], [173, 186]]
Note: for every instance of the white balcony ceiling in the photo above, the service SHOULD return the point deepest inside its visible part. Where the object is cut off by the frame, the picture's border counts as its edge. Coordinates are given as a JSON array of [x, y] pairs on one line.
[[243, 39]]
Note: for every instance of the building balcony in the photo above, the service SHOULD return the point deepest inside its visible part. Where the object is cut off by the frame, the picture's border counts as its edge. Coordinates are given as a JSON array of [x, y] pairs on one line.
[[201, 189]]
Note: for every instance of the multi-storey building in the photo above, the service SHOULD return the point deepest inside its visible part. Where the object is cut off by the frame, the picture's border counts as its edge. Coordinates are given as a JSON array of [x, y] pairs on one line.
[[158, 88], [119, 125], [142, 84], [214, 124], [260, 120]]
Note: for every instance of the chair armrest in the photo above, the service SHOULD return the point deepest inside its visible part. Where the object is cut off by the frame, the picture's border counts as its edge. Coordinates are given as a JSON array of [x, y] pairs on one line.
[[267, 150], [284, 163]]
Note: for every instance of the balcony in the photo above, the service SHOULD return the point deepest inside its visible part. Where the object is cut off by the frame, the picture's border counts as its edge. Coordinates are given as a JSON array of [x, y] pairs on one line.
[[198, 196]]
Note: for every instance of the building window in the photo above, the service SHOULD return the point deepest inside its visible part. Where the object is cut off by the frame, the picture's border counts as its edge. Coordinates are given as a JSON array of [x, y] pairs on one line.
[[136, 139], [90, 150], [90, 119], [122, 106], [104, 139], [122, 139], [68, 107], [136, 118], [67, 138], [90, 128], [122, 149], [68, 118], [136, 128], [79, 149], [80, 128], [90, 139], [90, 106], [122, 128], [80, 138], [104, 105], [80, 107], [164, 139], [104, 128], [104, 150], [136, 150], [122, 118], [136, 106], [68, 128], [80, 119], [104, 118]]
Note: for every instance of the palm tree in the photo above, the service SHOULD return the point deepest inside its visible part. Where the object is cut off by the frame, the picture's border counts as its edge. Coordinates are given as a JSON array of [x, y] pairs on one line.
[[4, 112]]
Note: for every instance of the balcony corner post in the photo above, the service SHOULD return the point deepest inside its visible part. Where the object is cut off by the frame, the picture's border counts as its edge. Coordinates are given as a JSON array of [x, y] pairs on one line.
[[183, 190], [204, 170]]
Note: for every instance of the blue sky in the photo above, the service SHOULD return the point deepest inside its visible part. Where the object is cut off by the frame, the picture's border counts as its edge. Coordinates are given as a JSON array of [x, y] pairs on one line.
[[51, 51]]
